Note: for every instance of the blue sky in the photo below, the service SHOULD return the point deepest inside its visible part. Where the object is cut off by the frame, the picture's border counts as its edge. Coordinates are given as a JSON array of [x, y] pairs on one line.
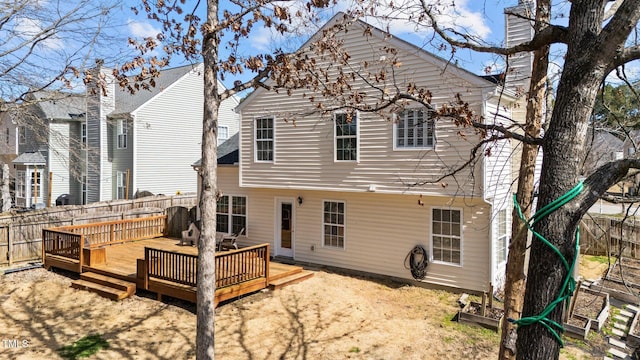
[[481, 18]]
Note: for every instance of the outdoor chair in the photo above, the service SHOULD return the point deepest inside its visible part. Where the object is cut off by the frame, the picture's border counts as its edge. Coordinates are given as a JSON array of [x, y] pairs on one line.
[[230, 241], [190, 236]]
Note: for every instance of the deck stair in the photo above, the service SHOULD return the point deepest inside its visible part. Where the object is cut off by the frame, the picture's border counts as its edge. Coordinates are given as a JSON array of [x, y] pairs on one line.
[[105, 286], [296, 275]]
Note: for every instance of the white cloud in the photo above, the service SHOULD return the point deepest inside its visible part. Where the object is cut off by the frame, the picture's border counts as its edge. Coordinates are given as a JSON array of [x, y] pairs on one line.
[[31, 29], [141, 30]]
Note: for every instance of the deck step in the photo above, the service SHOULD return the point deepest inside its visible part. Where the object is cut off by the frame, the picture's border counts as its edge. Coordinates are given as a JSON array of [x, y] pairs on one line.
[[128, 287], [102, 290], [290, 279]]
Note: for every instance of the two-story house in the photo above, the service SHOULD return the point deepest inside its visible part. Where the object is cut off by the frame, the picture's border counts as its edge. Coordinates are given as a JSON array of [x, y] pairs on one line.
[[106, 145], [359, 191]]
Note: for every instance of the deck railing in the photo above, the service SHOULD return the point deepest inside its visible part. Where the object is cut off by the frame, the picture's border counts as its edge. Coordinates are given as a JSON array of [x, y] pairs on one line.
[[233, 267], [62, 243], [68, 241]]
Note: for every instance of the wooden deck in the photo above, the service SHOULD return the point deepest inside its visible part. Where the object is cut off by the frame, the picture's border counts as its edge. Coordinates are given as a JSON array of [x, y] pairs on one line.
[[124, 262]]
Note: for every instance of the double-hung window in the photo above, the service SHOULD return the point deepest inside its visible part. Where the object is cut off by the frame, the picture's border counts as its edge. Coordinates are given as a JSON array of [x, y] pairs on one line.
[[223, 133], [446, 235], [264, 139], [334, 224], [414, 129], [502, 242], [22, 135], [121, 128], [121, 184], [83, 133], [20, 188], [231, 214], [84, 189], [346, 137]]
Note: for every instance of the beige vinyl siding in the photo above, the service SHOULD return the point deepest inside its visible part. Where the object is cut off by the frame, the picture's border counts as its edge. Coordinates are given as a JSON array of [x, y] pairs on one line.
[[304, 145], [381, 229]]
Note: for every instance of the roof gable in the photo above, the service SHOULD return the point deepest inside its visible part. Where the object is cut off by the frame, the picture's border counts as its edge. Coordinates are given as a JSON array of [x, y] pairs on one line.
[[394, 42]]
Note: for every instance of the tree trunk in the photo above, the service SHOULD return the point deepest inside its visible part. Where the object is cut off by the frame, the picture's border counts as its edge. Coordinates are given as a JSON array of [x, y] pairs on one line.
[[563, 147], [515, 269], [206, 277]]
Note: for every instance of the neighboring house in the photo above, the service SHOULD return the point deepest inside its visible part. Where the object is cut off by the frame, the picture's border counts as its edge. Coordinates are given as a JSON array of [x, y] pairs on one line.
[[110, 144], [330, 191]]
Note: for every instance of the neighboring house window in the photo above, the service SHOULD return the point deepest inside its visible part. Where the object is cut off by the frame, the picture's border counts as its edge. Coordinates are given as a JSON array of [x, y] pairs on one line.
[[122, 133], [446, 237], [264, 139], [84, 189], [223, 133], [36, 180], [414, 129], [121, 183], [22, 135], [346, 137], [83, 133], [20, 188], [231, 217], [502, 241], [333, 224], [8, 136]]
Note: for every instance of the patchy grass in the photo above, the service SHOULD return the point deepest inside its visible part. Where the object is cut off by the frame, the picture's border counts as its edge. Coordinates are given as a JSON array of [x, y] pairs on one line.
[[84, 347], [599, 259]]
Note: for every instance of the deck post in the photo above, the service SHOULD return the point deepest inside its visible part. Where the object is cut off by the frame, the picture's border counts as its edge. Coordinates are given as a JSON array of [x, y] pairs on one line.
[[267, 256], [80, 253]]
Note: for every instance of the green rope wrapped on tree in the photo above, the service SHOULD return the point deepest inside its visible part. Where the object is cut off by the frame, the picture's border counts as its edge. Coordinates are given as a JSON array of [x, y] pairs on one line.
[[569, 284]]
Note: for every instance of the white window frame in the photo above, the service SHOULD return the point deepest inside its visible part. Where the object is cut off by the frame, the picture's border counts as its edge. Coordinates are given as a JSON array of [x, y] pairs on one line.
[[83, 133], [223, 133], [265, 140], [230, 214], [502, 236], [336, 137], [337, 225], [121, 131], [121, 185], [84, 189], [22, 135], [401, 117], [450, 236], [20, 184]]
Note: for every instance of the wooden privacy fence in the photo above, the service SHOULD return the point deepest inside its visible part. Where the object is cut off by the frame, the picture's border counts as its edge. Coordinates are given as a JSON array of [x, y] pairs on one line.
[[21, 233], [70, 241], [117, 232], [610, 236]]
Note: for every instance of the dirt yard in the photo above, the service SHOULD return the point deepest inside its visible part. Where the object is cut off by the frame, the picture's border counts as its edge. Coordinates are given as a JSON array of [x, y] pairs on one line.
[[330, 316]]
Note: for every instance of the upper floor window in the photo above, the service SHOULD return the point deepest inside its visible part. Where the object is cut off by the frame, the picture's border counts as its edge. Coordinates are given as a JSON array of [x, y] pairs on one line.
[[223, 133], [333, 224], [414, 129], [22, 135], [346, 137], [502, 241], [121, 129], [83, 133], [8, 139], [231, 214], [446, 235], [264, 139]]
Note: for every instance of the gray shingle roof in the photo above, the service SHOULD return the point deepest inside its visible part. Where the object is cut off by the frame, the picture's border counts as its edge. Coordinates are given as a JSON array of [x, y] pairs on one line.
[[57, 105], [228, 153], [127, 102], [31, 158]]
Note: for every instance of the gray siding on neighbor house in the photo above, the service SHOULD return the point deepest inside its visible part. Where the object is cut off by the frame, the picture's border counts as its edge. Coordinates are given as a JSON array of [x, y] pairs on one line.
[[168, 136], [304, 146], [518, 30], [59, 159]]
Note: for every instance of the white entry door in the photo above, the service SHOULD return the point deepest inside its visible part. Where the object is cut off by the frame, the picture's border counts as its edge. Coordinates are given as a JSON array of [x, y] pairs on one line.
[[284, 234]]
